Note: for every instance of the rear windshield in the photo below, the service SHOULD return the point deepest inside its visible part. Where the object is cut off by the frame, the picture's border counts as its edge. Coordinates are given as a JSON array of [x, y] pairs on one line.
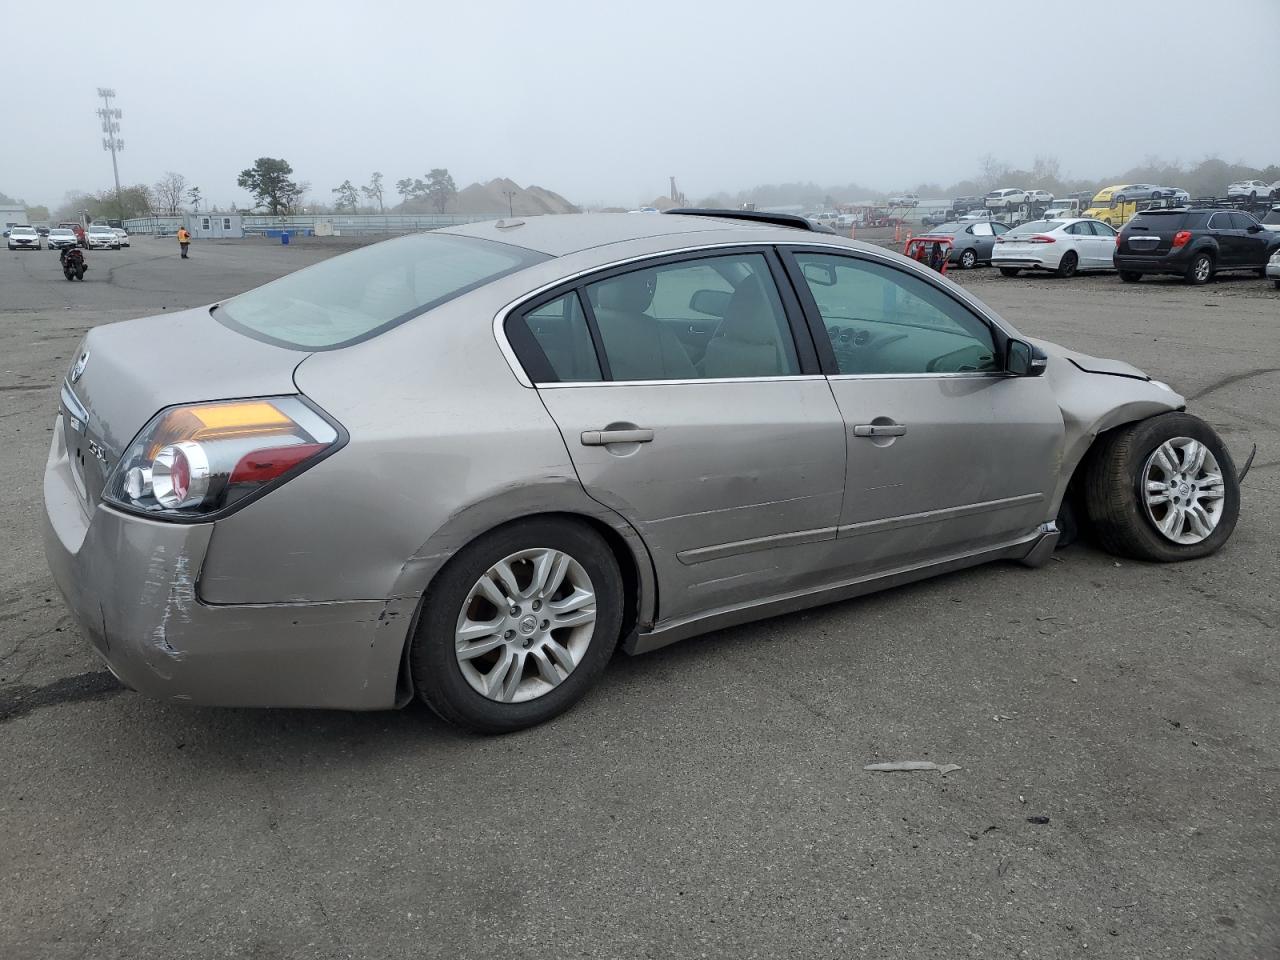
[[360, 294], [1034, 226], [1273, 216], [1162, 220]]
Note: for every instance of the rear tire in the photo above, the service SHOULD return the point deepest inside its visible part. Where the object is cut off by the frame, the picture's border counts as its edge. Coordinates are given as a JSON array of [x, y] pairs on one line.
[[968, 259], [521, 700], [1130, 276], [1201, 270], [1010, 271], [1067, 265], [1118, 482]]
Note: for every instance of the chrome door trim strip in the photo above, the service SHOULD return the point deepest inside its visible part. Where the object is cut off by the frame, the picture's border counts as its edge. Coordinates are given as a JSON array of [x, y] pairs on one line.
[[951, 375], [721, 550], [935, 516]]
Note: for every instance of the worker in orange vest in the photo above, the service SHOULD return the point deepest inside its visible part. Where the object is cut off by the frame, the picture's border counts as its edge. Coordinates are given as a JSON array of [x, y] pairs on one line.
[[184, 241]]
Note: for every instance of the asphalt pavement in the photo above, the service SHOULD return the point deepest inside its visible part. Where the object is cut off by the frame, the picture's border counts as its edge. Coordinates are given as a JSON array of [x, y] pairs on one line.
[[1116, 725]]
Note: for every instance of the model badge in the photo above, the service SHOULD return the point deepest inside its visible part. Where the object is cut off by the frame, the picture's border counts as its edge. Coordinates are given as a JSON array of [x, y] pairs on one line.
[[78, 370], [98, 453]]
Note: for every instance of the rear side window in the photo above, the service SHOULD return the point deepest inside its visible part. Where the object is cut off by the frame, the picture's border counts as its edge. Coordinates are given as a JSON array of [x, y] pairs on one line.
[[360, 294], [559, 329]]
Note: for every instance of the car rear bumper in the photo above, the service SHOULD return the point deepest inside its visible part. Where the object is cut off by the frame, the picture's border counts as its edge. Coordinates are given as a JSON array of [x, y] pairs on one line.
[[1167, 263], [131, 584], [1023, 261]]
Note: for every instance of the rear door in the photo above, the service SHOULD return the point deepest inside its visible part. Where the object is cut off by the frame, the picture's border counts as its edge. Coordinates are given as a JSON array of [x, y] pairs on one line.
[[724, 449], [947, 454]]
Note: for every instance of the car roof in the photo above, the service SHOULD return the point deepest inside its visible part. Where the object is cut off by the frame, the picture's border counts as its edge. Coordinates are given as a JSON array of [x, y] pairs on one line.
[[562, 234]]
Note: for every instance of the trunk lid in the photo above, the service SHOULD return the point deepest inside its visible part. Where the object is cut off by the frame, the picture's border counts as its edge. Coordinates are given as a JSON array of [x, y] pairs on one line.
[[123, 374]]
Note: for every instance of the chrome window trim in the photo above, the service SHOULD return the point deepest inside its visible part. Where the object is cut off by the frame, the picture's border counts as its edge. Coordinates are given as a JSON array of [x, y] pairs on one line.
[[928, 275], [941, 375], [666, 383]]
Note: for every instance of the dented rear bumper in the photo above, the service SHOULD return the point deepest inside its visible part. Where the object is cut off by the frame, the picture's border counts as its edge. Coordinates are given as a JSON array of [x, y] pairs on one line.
[[132, 585]]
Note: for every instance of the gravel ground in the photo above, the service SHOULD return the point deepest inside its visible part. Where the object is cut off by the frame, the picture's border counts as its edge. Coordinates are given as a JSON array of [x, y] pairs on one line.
[[709, 799]]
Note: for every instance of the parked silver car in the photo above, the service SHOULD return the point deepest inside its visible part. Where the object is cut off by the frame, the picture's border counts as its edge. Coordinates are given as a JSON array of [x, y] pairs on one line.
[[466, 465], [972, 241]]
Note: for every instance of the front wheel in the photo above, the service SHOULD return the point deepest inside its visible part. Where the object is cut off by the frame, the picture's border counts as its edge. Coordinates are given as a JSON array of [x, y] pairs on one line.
[[1010, 271], [1201, 270], [1162, 489], [968, 259], [1067, 265], [518, 626], [1130, 276]]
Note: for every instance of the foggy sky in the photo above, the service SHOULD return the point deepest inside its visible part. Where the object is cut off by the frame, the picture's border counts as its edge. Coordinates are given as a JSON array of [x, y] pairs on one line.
[[602, 101]]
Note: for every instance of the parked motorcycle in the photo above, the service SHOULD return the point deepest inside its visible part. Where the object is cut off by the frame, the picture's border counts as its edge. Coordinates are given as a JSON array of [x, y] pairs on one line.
[[73, 265]]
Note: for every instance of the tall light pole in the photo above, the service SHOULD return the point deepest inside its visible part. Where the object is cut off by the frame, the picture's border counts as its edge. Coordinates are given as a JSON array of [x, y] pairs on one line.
[[510, 195], [110, 117]]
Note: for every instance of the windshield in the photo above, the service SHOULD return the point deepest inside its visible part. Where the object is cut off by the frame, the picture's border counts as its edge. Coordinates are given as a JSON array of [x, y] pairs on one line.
[[360, 294], [1033, 227], [61, 233], [22, 231]]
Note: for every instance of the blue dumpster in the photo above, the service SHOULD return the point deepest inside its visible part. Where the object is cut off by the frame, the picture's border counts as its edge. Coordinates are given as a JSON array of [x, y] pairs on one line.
[[284, 237]]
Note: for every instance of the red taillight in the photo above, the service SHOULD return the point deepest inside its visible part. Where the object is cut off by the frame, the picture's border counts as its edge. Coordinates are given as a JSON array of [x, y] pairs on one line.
[[1117, 239], [1181, 238], [263, 465], [1040, 238]]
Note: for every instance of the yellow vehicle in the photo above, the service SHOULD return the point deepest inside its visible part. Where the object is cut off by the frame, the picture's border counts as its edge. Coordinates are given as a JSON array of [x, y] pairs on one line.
[[1109, 210]]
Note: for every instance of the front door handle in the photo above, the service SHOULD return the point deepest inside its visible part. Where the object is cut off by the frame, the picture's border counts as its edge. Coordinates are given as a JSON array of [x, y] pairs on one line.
[[599, 438], [879, 430]]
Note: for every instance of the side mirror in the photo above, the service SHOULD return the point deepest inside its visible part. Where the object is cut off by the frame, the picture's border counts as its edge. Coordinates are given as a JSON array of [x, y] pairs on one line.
[[1021, 359], [1255, 228]]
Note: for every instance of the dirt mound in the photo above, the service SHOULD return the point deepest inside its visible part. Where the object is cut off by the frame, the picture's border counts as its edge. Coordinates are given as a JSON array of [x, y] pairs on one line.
[[502, 196]]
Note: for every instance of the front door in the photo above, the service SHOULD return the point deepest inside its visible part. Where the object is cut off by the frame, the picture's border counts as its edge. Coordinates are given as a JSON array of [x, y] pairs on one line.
[[946, 453], [689, 407]]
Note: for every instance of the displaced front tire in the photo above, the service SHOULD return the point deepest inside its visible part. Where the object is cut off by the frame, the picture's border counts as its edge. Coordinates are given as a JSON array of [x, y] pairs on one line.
[[1010, 271], [1130, 276], [518, 626], [1163, 489]]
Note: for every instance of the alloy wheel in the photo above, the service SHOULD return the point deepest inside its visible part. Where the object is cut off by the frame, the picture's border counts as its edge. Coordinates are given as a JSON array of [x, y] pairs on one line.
[[525, 626], [1203, 268], [1183, 490]]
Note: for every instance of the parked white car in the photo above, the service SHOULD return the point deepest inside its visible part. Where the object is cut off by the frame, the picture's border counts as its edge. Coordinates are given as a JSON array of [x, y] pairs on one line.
[[978, 215], [1039, 196], [24, 238], [905, 200], [101, 237], [122, 234], [1064, 247], [1253, 189], [1006, 198]]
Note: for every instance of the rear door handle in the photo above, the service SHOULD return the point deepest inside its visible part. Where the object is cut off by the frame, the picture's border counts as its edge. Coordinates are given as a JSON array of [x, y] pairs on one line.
[[879, 430], [599, 438]]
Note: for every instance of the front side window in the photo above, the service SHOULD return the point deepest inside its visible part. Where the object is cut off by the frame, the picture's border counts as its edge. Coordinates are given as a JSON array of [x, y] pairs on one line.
[[710, 318], [981, 230], [1101, 229], [882, 320]]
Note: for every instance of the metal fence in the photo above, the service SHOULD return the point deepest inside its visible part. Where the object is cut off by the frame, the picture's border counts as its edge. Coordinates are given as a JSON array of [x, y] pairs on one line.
[[317, 224]]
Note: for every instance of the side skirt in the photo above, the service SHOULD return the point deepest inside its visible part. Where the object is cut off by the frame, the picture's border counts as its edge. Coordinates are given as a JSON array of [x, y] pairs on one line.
[[1033, 550]]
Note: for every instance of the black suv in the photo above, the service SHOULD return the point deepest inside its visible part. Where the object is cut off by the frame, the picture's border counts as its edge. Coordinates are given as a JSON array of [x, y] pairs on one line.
[[1194, 244]]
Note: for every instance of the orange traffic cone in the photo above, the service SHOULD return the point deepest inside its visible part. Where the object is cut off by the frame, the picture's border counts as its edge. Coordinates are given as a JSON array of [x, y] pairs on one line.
[[897, 232]]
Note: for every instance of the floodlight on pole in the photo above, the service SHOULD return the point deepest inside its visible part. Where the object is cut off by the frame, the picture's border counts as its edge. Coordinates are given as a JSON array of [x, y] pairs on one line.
[[110, 117]]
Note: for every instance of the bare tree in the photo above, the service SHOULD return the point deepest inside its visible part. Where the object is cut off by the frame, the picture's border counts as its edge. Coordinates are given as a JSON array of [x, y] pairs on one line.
[[168, 193]]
